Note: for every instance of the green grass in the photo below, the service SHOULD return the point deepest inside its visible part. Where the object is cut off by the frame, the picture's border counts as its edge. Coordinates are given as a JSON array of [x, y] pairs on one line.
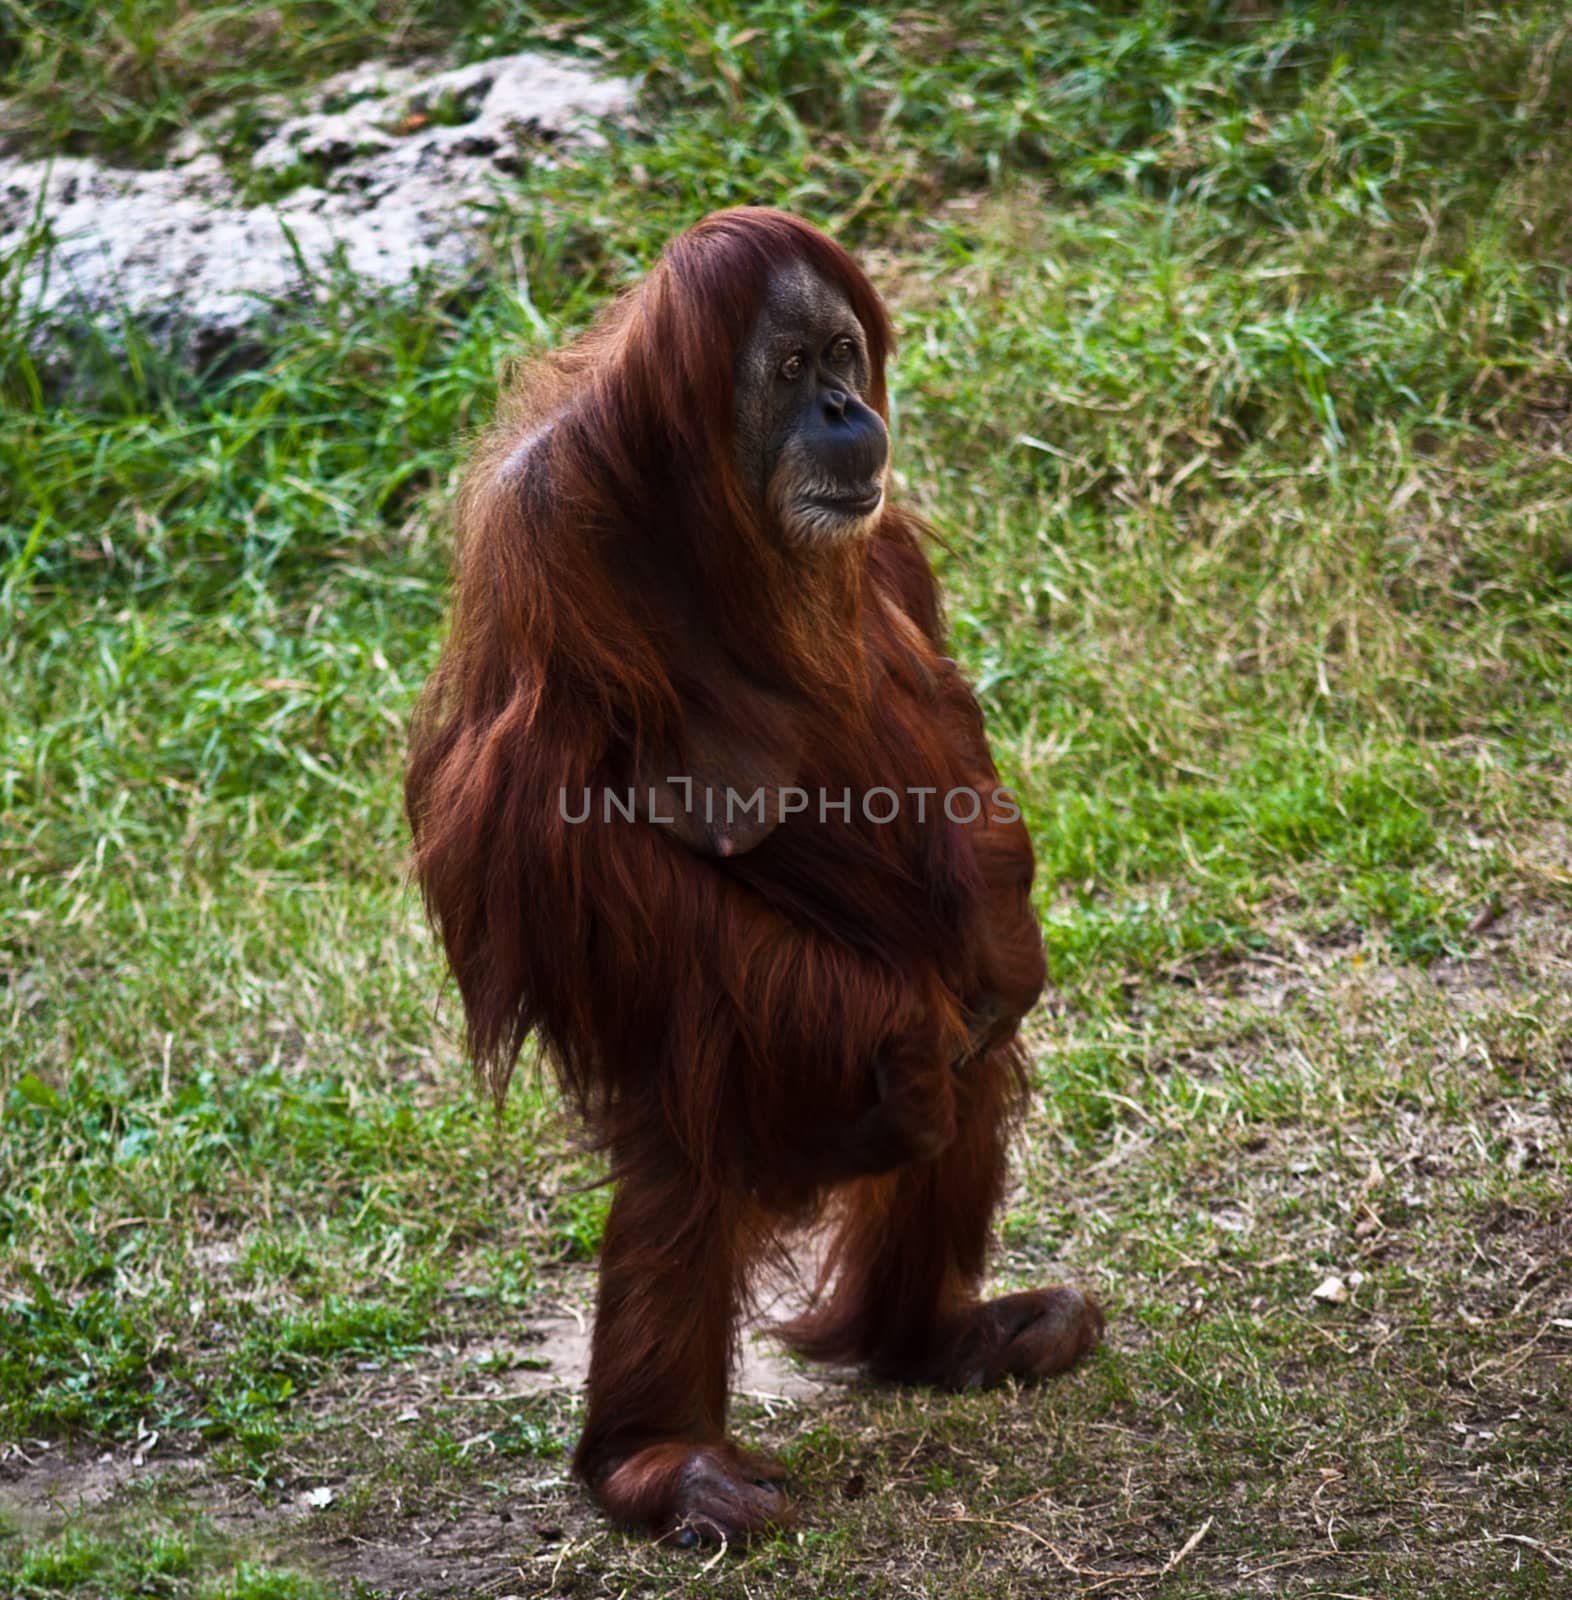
[[1236, 375], [155, 1560]]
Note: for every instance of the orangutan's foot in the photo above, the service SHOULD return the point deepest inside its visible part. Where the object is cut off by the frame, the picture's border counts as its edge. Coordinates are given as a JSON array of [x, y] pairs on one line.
[[1038, 1334], [691, 1494]]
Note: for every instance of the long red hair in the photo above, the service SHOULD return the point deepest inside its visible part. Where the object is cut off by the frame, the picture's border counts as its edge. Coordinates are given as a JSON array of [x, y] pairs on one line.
[[613, 581]]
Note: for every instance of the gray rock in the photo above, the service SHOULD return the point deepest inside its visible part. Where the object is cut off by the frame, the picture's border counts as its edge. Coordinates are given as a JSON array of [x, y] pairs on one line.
[[396, 165]]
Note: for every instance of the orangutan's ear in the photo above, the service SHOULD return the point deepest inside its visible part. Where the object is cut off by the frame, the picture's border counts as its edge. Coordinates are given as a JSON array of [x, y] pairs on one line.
[[727, 792]]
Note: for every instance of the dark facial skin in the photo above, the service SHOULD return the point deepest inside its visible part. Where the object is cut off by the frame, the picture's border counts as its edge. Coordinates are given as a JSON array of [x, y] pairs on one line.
[[808, 445]]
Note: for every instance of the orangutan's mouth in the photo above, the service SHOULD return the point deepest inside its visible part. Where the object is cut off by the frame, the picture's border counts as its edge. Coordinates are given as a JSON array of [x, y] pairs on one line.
[[860, 504]]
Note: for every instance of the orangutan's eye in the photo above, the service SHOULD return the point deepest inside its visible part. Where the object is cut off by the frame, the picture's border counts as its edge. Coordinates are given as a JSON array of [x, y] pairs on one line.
[[842, 350], [791, 368]]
